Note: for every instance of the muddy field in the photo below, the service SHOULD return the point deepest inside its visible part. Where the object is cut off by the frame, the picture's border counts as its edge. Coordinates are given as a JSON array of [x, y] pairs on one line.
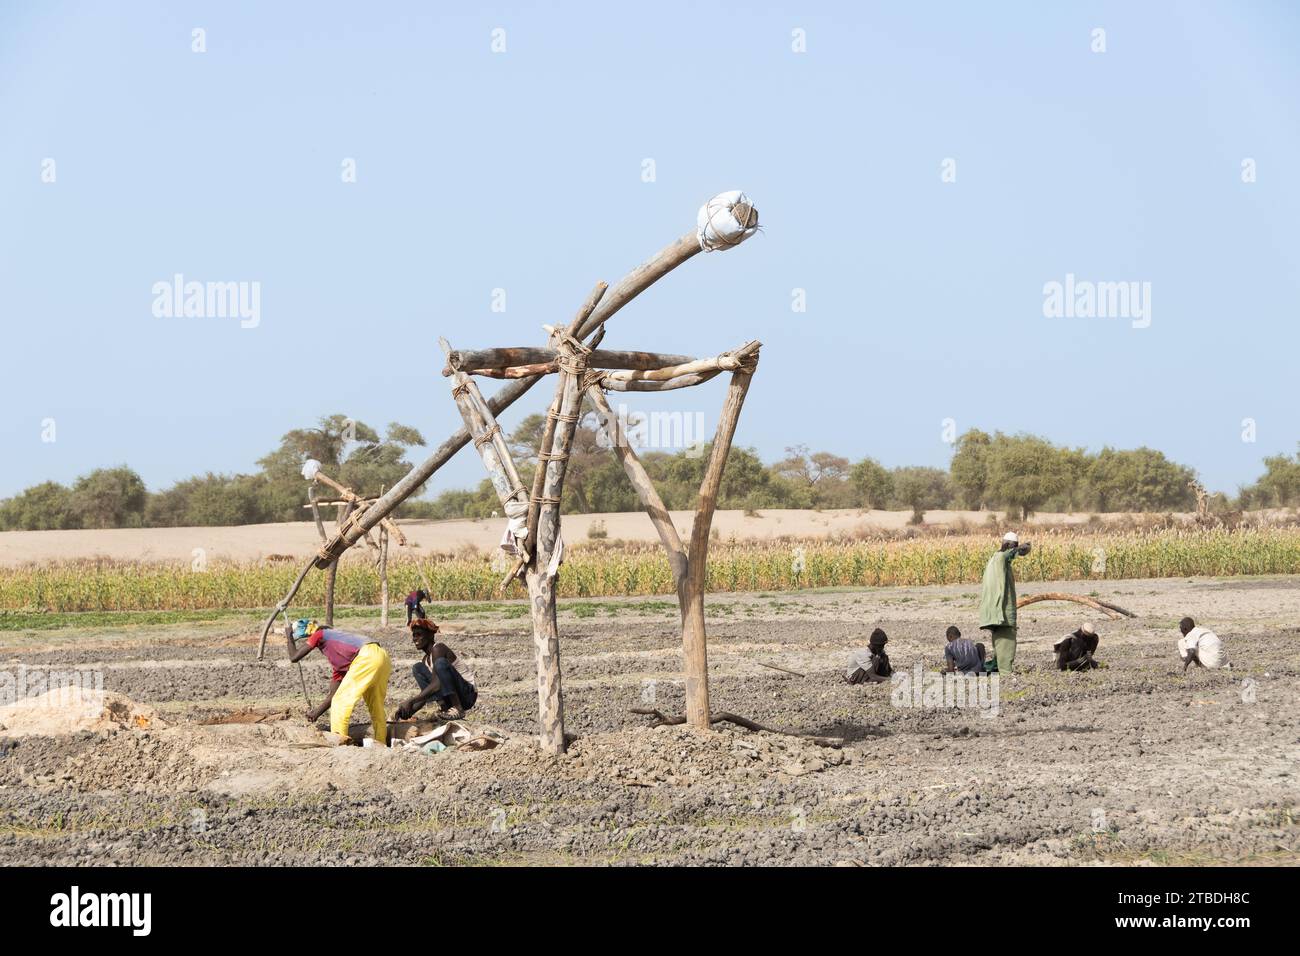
[[1131, 763]]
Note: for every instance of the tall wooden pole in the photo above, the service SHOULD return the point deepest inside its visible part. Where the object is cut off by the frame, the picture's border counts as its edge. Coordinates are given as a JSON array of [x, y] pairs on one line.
[[642, 485], [543, 569], [504, 478], [691, 593]]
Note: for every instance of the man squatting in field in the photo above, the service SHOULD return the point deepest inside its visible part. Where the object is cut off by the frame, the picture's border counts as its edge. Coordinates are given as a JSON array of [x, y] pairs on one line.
[[998, 601], [436, 677], [961, 654], [361, 669], [1074, 651], [1200, 646], [870, 666]]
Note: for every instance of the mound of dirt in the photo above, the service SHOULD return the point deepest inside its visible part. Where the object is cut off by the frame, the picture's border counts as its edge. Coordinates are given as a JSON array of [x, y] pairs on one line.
[[64, 711]]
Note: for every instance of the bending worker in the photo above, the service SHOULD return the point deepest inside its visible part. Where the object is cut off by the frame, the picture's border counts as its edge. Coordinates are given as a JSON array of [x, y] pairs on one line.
[[1075, 651], [1200, 646], [361, 669], [415, 604], [998, 601]]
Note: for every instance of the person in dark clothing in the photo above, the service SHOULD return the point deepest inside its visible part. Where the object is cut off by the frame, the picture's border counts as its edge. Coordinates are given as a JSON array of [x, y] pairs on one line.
[[437, 677], [962, 655], [872, 665], [415, 605], [1075, 651]]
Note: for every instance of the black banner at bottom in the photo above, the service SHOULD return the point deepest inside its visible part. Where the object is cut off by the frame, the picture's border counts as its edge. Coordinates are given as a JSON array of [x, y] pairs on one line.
[[210, 904]]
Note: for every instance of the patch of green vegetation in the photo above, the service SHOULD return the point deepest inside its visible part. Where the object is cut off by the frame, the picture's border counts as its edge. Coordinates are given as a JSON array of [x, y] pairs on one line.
[[41, 621], [52, 621]]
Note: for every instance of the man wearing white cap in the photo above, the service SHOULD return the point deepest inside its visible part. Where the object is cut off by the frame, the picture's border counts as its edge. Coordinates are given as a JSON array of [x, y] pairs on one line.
[[998, 601], [1074, 652]]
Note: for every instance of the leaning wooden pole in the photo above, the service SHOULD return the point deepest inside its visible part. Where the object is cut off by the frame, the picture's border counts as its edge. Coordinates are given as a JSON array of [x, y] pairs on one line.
[[642, 484], [691, 594], [723, 222], [627, 289]]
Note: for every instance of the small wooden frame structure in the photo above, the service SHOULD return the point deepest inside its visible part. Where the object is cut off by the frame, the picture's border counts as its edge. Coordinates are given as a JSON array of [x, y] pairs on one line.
[[346, 504], [532, 514]]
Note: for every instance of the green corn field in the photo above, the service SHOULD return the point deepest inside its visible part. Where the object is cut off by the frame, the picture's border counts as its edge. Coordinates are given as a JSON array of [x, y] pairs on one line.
[[642, 569]]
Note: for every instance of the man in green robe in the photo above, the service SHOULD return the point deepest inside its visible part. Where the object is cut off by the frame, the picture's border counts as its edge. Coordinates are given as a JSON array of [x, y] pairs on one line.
[[998, 601]]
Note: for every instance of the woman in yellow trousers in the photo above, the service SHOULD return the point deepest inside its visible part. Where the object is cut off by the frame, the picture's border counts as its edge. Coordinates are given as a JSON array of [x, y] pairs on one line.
[[361, 669], [366, 679]]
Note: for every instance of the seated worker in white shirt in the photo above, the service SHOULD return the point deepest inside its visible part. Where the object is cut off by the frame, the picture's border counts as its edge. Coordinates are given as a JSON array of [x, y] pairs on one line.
[[870, 666], [1200, 646]]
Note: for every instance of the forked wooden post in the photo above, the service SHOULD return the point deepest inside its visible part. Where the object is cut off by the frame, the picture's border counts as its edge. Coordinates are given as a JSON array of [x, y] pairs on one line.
[[689, 565], [547, 548]]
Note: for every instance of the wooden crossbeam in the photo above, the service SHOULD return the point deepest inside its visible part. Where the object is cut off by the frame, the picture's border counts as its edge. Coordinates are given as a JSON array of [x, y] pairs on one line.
[[619, 295], [487, 361], [726, 362]]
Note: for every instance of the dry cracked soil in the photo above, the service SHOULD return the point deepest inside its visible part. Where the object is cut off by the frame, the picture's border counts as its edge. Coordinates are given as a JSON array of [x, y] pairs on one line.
[[1131, 763]]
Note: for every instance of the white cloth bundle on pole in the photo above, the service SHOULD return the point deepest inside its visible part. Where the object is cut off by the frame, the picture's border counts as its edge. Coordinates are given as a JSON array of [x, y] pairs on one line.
[[717, 226], [512, 539]]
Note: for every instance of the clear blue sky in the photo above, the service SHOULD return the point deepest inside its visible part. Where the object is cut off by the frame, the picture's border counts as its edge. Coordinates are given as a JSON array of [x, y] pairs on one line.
[[523, 170]]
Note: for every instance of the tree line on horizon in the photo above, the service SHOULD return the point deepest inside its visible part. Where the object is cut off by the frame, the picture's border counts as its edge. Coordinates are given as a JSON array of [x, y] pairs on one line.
[[1021, 474]]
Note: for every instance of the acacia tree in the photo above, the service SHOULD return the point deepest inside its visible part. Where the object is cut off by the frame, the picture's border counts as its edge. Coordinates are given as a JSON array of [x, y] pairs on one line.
[[39, 508], [1140, 479], [921, 489], [1278, 487], [1024, 472], [873, 483], [970, 468], [348, 450], [109, 498]]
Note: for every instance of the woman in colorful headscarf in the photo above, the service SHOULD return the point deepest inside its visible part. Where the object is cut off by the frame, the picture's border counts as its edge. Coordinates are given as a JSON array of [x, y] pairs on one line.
[[361, 669]]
